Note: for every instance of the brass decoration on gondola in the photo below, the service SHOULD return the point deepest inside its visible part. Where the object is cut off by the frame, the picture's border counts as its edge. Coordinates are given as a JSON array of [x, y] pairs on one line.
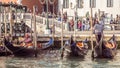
[[110, 45], [80, 44]]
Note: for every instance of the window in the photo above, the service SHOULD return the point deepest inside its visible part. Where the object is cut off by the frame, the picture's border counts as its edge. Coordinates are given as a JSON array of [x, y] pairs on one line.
[[93, 3], [109, 3], [65, 3], [80, 3]]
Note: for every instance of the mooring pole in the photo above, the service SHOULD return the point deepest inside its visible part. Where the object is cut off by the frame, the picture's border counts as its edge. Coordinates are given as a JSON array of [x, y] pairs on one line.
[[91, 29], [31, 24], [99, 14], [100, 42], [53, 28], [62, 31], [5, 24], [10, 15], [0, 21], [75, 21], [91, 23], [35, 33]]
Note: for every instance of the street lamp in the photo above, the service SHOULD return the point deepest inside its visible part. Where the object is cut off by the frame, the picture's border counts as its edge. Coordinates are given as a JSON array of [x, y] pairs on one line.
[[43, 2]]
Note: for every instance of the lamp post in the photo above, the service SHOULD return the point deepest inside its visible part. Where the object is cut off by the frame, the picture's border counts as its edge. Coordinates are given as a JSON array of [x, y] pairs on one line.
[[47, 31]]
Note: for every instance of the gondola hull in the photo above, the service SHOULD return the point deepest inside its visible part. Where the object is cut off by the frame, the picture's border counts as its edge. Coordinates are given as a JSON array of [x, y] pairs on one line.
[[104, 51], [19, 51], [24, 52], [74, 51], [4, 51]]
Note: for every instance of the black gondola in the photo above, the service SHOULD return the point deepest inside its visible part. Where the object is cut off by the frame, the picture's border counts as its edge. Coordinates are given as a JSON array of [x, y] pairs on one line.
[[75, 49], [105, 49], [20, 51]]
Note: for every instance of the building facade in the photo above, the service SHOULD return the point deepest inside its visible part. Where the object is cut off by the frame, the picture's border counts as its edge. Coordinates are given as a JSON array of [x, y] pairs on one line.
[[84, 6], [37, 3]]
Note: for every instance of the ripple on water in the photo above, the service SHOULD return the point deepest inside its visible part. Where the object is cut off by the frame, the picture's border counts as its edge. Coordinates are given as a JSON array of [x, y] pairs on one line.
[[53, 60]]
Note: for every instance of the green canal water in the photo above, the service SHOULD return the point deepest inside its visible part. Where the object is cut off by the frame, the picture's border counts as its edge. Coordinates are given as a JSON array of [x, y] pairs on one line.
[[53, 60]]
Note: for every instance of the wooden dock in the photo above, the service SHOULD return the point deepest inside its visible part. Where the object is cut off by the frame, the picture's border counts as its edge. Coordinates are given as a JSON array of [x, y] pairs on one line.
[[80, 35]]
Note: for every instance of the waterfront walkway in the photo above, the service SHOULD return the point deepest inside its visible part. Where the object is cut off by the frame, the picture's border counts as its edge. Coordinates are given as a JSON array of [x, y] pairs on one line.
[[41, 26]]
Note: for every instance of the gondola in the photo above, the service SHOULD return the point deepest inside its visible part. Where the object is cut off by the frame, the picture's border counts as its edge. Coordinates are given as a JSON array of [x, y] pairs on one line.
[[47, 45], [20, 51], [106, 49], [75, 49]]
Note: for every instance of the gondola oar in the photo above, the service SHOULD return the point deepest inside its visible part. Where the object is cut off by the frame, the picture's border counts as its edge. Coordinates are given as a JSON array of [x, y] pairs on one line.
[[100, 45]]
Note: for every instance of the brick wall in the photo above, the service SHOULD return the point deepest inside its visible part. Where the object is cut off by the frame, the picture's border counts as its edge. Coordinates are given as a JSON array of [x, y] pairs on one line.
[[31, 3]]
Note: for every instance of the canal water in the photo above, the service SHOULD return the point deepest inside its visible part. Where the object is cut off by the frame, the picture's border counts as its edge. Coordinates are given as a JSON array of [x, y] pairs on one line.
[[52, 60]]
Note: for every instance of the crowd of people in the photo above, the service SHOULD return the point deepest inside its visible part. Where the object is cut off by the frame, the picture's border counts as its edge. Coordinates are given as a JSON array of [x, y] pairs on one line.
[[83, 24]]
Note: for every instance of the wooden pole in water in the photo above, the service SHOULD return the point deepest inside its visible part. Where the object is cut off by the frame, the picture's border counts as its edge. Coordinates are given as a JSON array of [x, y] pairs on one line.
[[53, 28], [11, 21], [91, 28], [0, 20], [75, 22], [5, 23], [99, 14], [35, 33], [21, 21], [31, 24], [100, 42], [62, 31], [15, 19]]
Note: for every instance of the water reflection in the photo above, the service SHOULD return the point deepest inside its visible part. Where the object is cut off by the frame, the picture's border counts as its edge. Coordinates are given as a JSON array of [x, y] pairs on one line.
[[54, 61]]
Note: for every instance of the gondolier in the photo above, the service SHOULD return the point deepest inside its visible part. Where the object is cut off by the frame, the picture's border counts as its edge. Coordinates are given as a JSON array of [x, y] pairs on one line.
[[98, 31]]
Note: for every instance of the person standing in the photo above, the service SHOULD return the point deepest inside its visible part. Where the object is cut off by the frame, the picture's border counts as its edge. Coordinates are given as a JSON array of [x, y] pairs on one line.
[[72, 24], [80, 25], [98, 31]]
